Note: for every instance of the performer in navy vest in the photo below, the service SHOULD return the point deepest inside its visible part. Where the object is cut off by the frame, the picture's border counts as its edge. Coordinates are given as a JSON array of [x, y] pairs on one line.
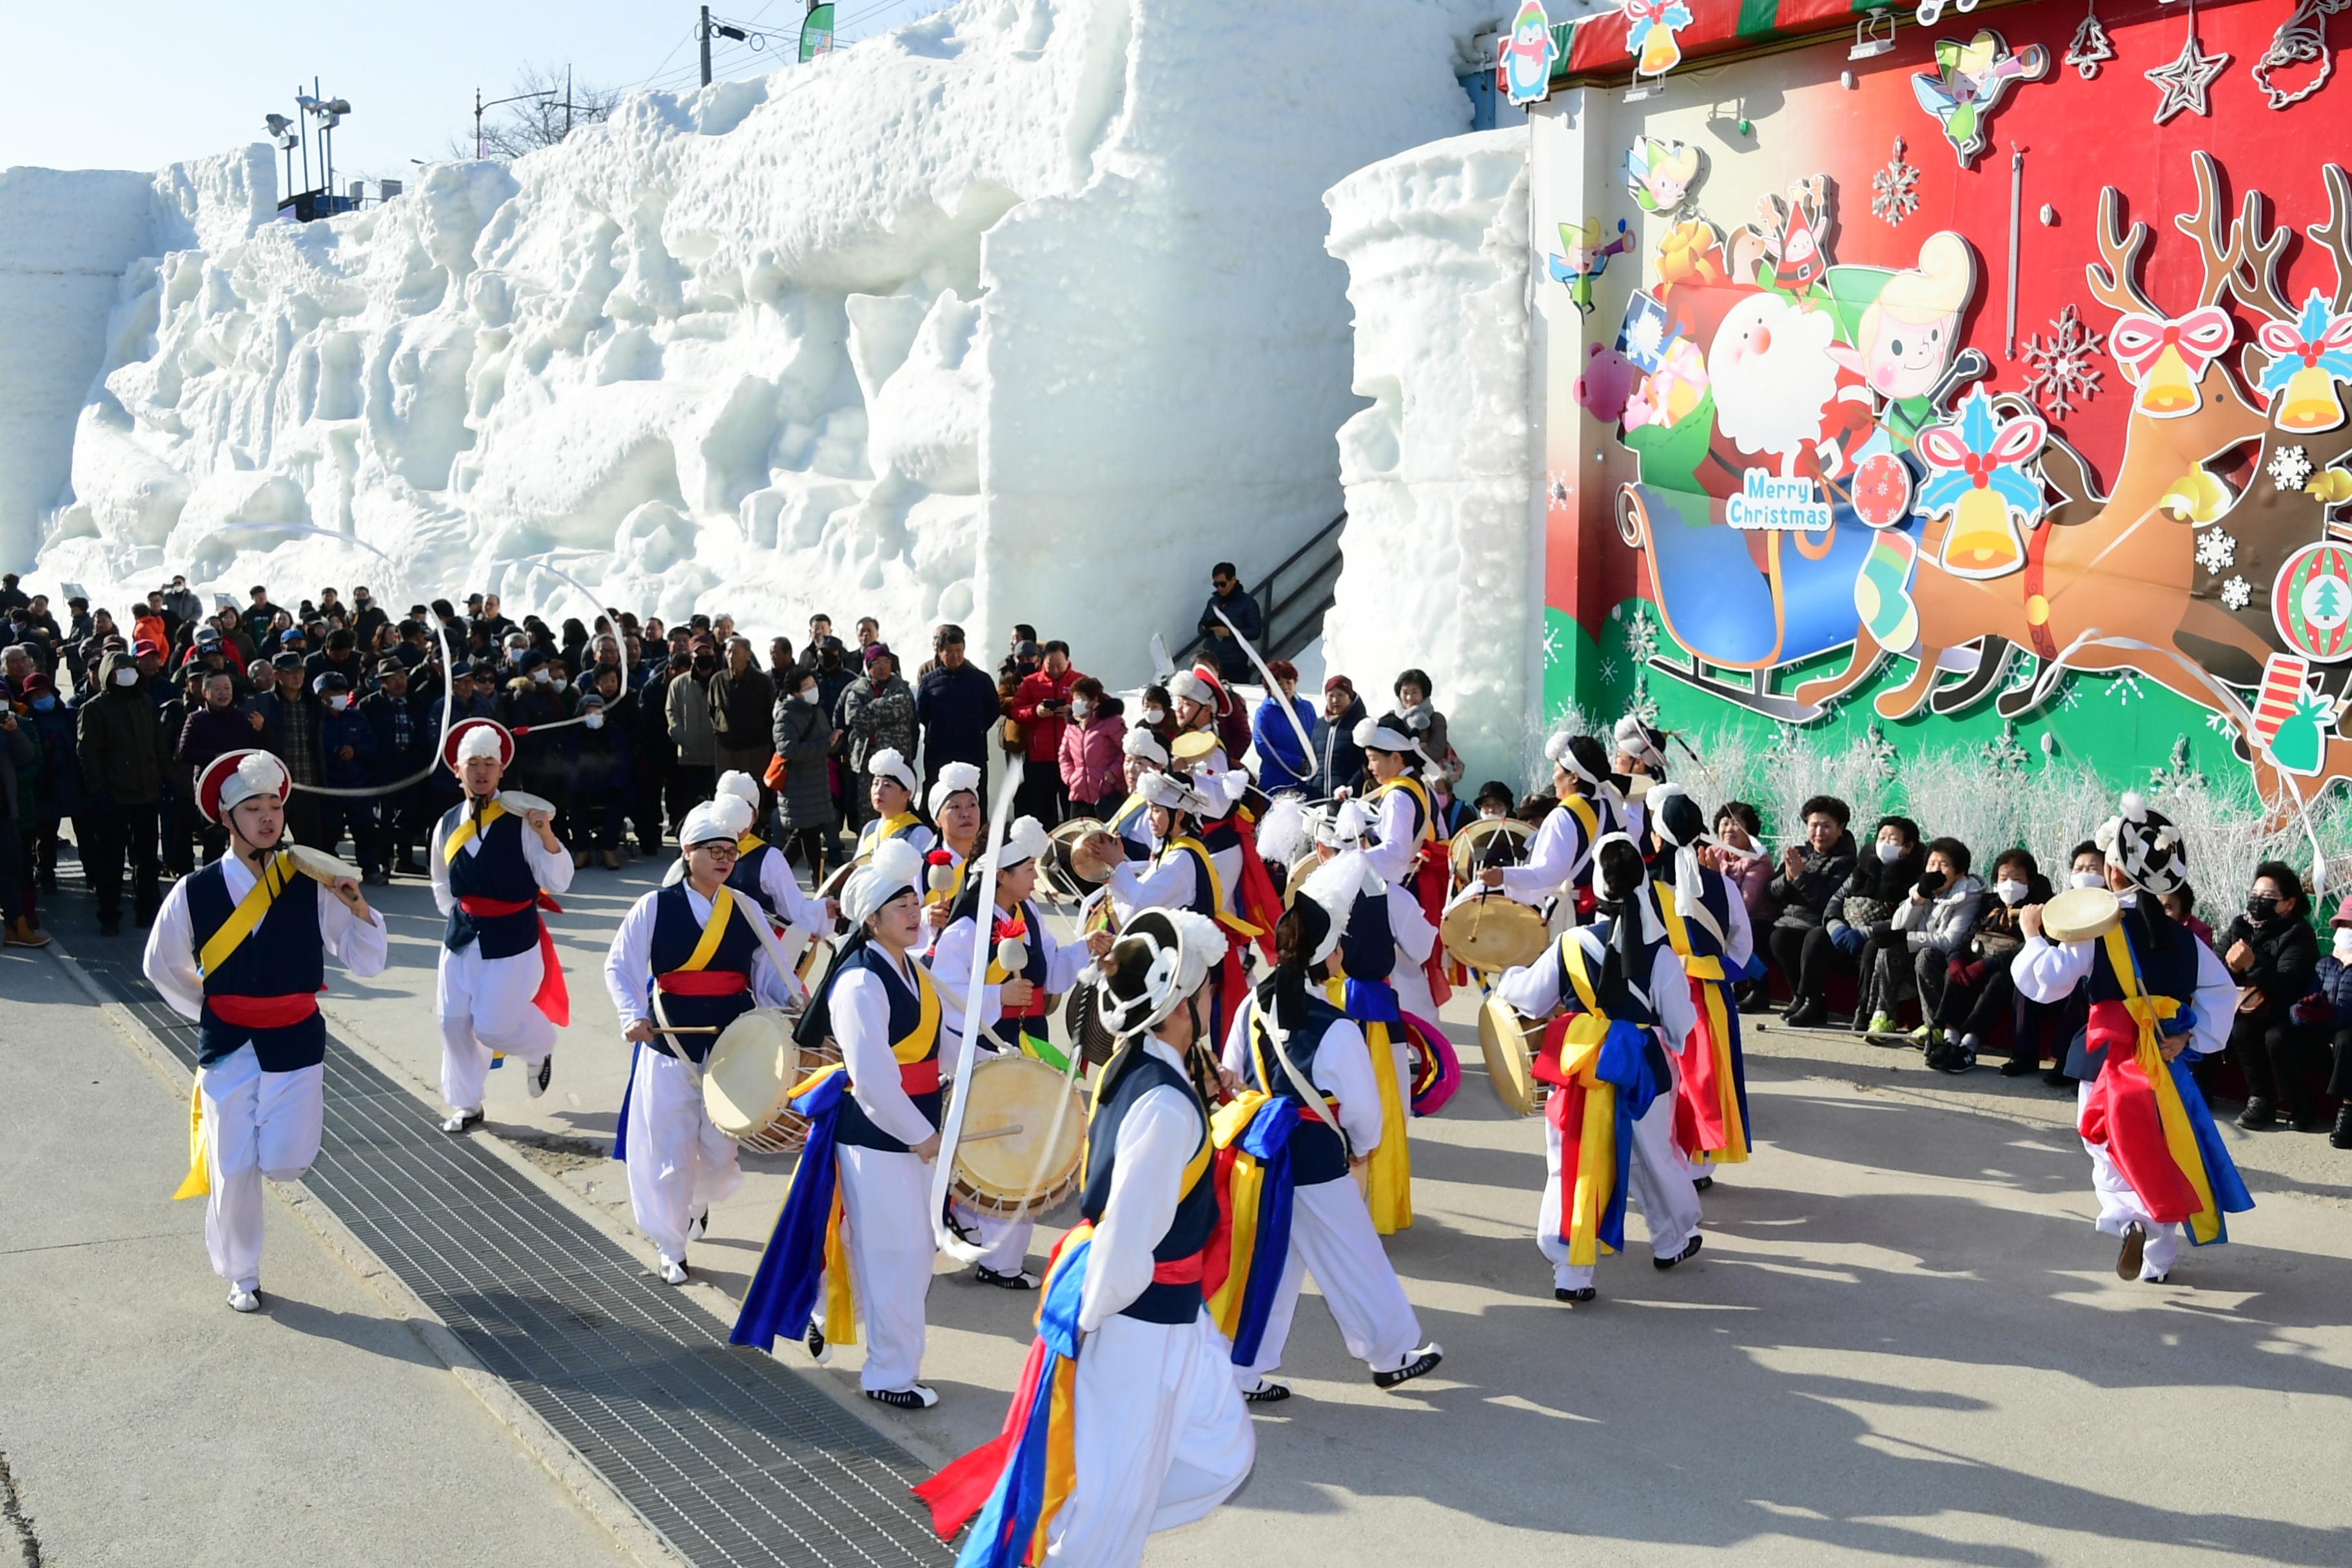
[[1015, 1007], [1630, 978], [240, 948], [957, 812], [851, 1249], [1560, 862], [500, 991], [1290, 1043], [1706, 924], [693, 943], [762, 872], [2145, 1190]]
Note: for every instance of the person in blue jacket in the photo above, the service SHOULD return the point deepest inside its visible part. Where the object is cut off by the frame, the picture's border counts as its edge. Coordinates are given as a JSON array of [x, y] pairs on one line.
[[347, 749], [1281, 764]]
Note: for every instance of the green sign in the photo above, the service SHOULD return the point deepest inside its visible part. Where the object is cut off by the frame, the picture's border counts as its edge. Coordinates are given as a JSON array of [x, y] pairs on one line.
[[816, 33]]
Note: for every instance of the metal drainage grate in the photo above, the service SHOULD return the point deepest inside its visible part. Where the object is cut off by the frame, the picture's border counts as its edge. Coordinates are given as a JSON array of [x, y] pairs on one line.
[[732, 1457]]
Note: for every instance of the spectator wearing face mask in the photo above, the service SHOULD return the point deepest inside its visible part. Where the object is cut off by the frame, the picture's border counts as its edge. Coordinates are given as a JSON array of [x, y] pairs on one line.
[[1862, 919], [57, 791], [1936, 922], [215, 726], [2326, 1014], [804, 737], [597, 768], [2270, 951], [347, 752], [1093, 760], [404, 749], [1977, 991], [1156, 711], [123, 758]]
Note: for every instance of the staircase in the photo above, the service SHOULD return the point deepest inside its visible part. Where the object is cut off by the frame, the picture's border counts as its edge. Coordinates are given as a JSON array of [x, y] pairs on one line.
[[1292, 598]]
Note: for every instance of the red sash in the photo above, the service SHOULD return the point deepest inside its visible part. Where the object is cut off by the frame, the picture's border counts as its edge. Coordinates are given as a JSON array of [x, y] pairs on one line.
[[264, 1012], [552, 997], [2122, 1114], [1188, 1270], [1698, 1099], [703, 982], [920, 1078], [1428, 882]]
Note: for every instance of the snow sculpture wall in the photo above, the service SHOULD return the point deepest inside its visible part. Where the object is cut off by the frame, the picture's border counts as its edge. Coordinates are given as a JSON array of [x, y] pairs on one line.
[[1020, 312], [1440, 566]]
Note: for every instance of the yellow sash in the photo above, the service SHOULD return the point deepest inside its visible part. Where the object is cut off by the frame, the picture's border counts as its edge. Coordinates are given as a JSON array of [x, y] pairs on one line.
[[1577, 806], [1133, 803], [723, 906], [1388, 1192], [1709, 974], [1196, 1169], [748, 843], [1208, 868], [467, 826], [1595, 1178], [242, 920], [884, 828], [2180, 1137], [1412, 787]]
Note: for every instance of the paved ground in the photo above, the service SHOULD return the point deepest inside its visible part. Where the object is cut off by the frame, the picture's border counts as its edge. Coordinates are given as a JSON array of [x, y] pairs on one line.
[[1903, 1340], [144, 1422]]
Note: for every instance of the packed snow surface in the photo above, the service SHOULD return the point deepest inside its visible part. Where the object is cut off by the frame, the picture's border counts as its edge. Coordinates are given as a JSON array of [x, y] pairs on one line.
[[1441, 569], [1020, 312]]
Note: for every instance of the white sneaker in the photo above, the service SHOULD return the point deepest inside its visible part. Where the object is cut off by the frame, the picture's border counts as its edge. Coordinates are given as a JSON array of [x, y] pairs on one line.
[[698, 1222], [461, 1121], [672, 1273], [241, 1299], [536, 1078]]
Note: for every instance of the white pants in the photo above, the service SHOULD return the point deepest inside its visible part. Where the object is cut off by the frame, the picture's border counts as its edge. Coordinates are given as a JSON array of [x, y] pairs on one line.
[[886, 1201], [1411, 983], [1658, 1184], [1005, 1243], [2119, 1206], [256, 1124], [1162, 1439], [483, 1007], [678, 1161], [1331, 1236]]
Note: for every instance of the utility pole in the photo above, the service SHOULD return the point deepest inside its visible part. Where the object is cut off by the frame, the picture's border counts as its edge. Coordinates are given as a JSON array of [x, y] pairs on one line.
[[703, 33], [567, 103]]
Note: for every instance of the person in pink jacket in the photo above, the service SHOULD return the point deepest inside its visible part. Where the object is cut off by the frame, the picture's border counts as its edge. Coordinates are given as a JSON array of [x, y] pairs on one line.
[[1092, 757], [1737, 852]]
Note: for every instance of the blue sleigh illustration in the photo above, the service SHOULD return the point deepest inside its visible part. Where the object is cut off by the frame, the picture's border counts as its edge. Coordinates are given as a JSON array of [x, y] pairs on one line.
[[1747, 601]]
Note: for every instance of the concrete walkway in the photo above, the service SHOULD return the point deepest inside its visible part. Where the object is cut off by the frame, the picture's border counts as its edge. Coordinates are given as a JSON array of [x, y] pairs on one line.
[[1903, 1340]]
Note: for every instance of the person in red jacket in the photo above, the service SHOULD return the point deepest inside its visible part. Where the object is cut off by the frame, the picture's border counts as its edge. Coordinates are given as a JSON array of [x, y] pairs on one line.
[[1041, 705]]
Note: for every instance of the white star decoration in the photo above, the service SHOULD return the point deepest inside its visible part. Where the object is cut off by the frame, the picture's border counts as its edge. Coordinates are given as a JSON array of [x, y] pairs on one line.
[[2188, 79]]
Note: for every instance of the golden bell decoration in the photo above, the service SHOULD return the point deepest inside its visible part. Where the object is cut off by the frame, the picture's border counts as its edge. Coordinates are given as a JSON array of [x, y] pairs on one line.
[[1982, 540]]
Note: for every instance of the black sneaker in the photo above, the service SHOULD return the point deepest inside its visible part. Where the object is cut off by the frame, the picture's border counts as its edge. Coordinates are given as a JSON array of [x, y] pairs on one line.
[[1424, 1362], [2258, 1114], [1268, 1392], [2058, 1078], [2135, 1243], [1701, 1184], [915, 1398], [819, 1351], [2018, 1066], [536, 1083], [1682, 1257], [1573, 1298], [1019, 1279]]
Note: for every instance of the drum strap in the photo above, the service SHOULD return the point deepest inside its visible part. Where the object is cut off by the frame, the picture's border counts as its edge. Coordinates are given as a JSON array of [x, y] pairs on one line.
[[246, 916], [467, 826]]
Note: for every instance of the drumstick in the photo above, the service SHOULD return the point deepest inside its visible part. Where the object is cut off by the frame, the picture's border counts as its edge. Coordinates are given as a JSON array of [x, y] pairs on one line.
[[994, 1132], [692, 1029]]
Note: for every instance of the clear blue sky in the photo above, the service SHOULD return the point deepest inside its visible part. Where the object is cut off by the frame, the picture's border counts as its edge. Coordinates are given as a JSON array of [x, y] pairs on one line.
[[137, 84]]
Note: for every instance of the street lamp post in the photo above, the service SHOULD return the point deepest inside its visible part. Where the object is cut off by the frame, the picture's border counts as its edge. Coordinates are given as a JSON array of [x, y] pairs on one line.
[[479, 106]]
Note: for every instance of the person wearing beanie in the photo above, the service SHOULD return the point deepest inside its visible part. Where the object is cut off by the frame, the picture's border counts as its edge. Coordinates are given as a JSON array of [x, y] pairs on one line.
[[500, 991], [1707, 925], [692, 955], [1307, 1125], [2158, 998], [1151, 1428], [1626, 1002], [874, 1131], [240, 948], [1014, 1012], [1559, 861]]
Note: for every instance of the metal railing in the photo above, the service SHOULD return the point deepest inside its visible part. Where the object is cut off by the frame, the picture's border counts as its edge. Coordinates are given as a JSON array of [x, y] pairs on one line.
[[1293, 598]]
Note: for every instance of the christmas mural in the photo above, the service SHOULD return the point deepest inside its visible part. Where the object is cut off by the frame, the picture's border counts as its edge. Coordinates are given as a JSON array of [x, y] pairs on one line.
[[1960, 383]]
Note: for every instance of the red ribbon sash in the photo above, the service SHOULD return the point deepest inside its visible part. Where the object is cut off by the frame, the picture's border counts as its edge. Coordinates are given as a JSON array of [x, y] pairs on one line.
[[703, 982], [2122, 1114], [264, 1012], [920, 1078], [553, 997], [1182, 1270]]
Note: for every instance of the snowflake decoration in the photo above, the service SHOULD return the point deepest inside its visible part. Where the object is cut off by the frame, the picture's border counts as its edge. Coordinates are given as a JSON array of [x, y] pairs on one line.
[[2217, 550], [1895, 190], [1643, 706], [2177, 776], [2025, 672], [1550, 646], [2236, 591], [2290, 468], [1608, 672], [1878, 753], [1640, 638], [2003, 754], [2220, 723], [2068, 696], [2125, 689], [2064, 373], [1556, 490]]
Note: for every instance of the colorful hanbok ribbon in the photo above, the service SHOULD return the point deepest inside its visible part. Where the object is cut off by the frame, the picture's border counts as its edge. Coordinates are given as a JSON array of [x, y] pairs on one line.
[[806, 1251]]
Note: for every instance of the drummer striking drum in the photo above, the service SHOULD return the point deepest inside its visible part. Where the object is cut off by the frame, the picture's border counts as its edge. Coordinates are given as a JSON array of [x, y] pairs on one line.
[[240, 948], [1560, 862], [501, 991], [687, 957]]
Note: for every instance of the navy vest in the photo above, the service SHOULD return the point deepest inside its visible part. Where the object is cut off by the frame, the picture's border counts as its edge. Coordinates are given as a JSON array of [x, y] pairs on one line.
[[745, 878], [1130, 1075], [2166, 951], [283, 956], [498, 870], [856, 1128], [677, 933], [1317, 1153], [1368, 946], [1714, 897], [1007, 1031], [1616, 997]]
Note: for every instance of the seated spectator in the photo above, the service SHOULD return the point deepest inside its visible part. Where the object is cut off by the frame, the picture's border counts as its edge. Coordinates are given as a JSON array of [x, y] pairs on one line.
[[1800, 892], [1936, 921], [1737, 853], [2181, 905], [2328, 1011], [2271, 952], [1494, 799], [1976, 991], [1861, 919]]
